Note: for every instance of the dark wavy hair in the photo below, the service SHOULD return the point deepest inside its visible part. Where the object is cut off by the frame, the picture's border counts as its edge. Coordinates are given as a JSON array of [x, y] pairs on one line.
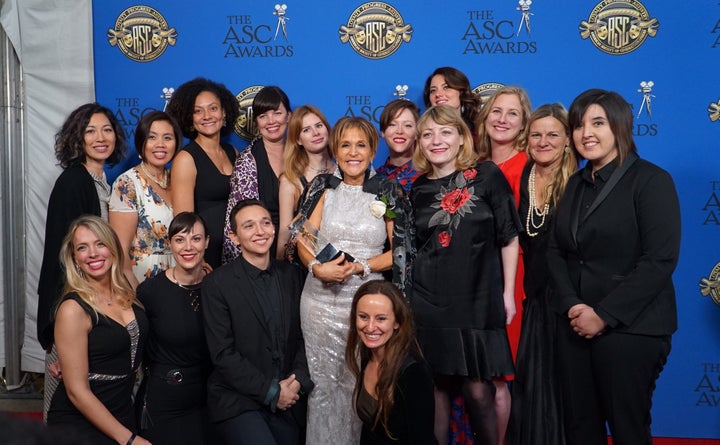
[[143, 130], [619, 115], [182, 105], [457, 80], [401, 344], [70, 140]]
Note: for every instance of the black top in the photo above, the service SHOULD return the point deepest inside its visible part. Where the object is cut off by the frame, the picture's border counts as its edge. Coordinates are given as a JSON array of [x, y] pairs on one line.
[[177, 336], [174, 412], [618, 255], [112, 364], [267, 290], [73, 195], [534, 247], [411, 419], [212, 189], [268, 184]]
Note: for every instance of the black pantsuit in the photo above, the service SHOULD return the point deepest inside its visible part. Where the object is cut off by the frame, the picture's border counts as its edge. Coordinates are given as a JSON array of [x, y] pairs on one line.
[[614, 247], [251, 351]]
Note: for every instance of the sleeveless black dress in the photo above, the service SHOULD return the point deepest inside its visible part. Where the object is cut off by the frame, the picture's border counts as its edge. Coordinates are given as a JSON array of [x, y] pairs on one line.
[[212, 189], [114, 354]]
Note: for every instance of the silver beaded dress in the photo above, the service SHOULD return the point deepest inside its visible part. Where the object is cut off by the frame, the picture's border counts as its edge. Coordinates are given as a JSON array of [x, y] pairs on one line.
[[325, 311]]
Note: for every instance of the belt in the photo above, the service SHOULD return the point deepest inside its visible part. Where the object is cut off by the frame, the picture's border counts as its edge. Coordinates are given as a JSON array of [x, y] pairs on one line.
[[172, 375]]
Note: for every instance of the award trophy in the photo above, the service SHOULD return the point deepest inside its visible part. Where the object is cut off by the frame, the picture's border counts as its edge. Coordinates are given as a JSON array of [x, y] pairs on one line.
[[305, 233]]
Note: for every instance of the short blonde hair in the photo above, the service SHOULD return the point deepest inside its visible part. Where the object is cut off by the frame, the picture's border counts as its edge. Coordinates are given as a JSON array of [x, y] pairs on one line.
[[445, 115]]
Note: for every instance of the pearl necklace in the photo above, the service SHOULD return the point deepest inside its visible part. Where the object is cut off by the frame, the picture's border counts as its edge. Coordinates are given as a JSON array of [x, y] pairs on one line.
[[163, 184], [533, 210]]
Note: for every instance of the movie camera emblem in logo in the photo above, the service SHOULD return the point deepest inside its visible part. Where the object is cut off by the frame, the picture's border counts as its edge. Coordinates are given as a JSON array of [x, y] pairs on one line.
[[141, 33], [485, 90], [710, 286], [618, 27], [280, 11], [375, 30], [401, 91], [245, 123], [646, 90], [524, 8], [714, 110], [167, 93]]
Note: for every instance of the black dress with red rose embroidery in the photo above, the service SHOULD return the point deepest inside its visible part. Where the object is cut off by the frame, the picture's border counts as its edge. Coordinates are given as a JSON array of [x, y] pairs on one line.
[[462, 221]]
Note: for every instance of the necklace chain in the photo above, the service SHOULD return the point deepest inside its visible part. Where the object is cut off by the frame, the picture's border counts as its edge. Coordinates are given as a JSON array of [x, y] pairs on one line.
[[533, 211], [321, 170], [193, 291], [184, 286], [163, 183]]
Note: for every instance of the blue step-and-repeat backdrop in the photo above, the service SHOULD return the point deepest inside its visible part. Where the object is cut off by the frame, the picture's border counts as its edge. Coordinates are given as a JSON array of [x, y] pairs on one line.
[[350, 58]]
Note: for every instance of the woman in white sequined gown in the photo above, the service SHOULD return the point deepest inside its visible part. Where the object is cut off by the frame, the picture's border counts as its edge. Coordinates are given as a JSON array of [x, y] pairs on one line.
[[344, 216]]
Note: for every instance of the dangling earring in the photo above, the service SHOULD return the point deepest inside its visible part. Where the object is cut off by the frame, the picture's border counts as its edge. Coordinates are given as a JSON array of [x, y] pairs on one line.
[[224, 122], [462, 109], [567, 149], [78, 270]]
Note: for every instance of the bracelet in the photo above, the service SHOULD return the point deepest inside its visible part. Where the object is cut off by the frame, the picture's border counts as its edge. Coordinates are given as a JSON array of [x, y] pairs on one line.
[[366, 268], [131, 439], [310, 266]]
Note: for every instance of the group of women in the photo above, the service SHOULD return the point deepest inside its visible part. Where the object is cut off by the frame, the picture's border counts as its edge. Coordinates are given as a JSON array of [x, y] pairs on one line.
[[409, 335]]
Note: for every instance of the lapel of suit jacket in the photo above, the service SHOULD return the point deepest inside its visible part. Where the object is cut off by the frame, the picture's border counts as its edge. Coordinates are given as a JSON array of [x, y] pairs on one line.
[[612, 182], [247, 288]]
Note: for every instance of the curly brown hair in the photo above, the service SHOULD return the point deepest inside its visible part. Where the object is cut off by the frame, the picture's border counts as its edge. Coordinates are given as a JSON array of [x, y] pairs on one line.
[[70, 140], [182, 105]]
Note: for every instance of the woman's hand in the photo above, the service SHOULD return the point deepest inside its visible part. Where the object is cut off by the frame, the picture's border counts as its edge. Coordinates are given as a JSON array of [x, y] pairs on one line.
[[289, 389], [140, 441], [55, 371], [335, 271], [585, 321], [509, 302]]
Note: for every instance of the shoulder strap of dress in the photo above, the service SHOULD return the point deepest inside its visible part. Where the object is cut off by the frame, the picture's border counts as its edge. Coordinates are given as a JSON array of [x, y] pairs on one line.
[[94, 315]]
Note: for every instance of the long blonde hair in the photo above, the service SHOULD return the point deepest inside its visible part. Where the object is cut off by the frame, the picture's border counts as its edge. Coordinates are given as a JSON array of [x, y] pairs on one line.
[[295, 158], [569, 163], [483, 145], [75, 279]]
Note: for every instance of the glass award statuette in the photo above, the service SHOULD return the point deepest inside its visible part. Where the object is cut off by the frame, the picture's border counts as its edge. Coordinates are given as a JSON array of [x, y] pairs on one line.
[[305, 233]]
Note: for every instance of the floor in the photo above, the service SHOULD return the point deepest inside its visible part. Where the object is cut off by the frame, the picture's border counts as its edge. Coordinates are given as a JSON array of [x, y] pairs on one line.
[[25, 399]]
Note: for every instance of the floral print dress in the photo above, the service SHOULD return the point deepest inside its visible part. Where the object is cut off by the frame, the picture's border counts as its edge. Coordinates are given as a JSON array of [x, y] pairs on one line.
[[150, 249], [462, 221]]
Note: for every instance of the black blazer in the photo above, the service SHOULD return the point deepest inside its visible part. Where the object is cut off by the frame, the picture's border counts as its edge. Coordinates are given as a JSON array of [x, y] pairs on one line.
[[240, 343], [73, 195], [619, 259]]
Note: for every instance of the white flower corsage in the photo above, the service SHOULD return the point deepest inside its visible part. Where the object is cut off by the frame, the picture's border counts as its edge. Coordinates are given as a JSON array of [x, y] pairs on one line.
[[378, 208]]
